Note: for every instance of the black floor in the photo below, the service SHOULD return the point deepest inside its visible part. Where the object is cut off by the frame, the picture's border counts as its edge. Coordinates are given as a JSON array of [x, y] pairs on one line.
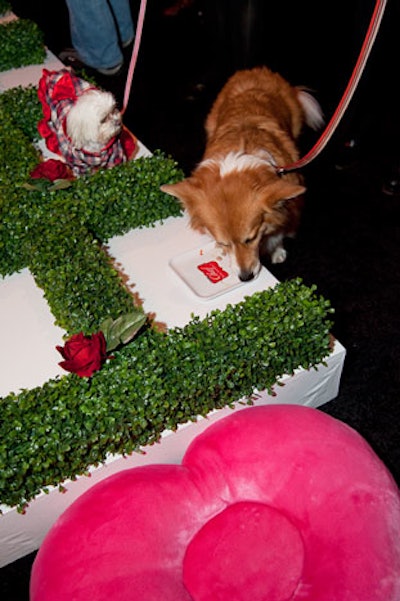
[[349, 241]]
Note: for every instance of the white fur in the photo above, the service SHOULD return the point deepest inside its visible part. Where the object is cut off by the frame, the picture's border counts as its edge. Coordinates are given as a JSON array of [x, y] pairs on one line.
[[237, 161], [312, 110], [274, 246], [279, 255], [93, 120]]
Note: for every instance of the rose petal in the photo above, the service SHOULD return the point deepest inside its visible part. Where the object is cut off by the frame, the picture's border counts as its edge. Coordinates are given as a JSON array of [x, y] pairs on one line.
[[81, 370], [52, 169]]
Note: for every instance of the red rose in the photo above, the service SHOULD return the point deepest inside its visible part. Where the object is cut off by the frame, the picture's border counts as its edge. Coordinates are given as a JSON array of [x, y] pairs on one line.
[[52, 169], [83, 354]]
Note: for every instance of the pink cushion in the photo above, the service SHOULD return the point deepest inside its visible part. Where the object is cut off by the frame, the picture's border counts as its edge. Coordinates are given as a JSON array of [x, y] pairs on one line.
[[271, 503]]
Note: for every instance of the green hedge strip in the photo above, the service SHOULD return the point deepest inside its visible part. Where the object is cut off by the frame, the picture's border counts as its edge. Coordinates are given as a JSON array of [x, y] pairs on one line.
[[84, 290], [21, 44], [23, 109], [158, 381], [114, 201]]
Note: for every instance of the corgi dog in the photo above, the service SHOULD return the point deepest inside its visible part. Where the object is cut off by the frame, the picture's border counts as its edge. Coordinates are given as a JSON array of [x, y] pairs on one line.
[[235, 194]]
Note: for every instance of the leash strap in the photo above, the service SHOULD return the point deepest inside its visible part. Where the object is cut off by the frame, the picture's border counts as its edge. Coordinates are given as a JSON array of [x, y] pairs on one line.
[[135, 52], [348, 93]]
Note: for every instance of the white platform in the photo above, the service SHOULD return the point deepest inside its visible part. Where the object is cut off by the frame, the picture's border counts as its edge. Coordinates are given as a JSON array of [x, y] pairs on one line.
[[28, 357]]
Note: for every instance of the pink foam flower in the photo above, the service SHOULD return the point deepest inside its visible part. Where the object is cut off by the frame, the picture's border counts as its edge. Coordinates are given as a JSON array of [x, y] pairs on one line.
[[270, 504]]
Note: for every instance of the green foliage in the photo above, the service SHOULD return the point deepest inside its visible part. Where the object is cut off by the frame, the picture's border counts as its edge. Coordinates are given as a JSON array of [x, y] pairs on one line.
[[21, 44], [82, 290], [17, 154], [17, 158], [23, 109], [113, 201], [156, 382]]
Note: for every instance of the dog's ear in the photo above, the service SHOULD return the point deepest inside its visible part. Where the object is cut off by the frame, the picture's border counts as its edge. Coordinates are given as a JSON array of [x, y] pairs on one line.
[[182, 190], [282, 190], [187, 192]]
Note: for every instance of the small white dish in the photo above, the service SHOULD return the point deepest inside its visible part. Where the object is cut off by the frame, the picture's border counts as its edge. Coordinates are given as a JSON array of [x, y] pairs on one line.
[[206, 270]]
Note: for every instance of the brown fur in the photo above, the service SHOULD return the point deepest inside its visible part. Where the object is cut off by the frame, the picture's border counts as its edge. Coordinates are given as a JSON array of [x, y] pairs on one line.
[[249, 208]]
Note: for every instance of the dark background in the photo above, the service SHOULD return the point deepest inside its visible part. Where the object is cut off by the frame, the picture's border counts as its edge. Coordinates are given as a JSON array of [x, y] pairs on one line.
[[348, 243]]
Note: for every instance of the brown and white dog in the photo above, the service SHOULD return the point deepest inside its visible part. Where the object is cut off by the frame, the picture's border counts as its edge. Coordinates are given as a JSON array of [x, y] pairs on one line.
[[235, 193]]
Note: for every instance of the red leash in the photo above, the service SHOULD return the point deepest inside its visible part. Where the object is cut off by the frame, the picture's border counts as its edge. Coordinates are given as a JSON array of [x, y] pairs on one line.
[[348, 93], [135, 52]]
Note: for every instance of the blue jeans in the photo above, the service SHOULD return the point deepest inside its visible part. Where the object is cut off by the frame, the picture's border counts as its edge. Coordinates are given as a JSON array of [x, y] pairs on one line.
[[98, 28]]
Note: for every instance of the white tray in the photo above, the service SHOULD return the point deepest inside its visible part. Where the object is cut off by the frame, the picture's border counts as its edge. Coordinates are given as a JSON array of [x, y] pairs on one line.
[[206, 270]]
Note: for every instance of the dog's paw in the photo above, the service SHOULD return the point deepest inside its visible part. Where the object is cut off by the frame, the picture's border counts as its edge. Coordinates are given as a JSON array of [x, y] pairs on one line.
[[279, 255]]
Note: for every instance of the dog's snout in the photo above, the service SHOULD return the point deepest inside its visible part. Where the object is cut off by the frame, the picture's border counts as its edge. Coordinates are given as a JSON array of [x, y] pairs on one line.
[[246, 276]]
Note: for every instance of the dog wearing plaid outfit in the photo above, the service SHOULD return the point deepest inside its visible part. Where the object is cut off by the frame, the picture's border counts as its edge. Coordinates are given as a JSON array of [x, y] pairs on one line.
[[82, 124]]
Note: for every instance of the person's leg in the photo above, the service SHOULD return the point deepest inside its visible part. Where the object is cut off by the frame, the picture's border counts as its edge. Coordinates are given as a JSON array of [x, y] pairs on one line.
[[123, 18], [94, 34]]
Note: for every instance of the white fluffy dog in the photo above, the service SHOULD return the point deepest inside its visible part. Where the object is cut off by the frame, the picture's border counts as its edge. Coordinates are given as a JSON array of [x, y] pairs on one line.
[[93, 120], [82, 124]]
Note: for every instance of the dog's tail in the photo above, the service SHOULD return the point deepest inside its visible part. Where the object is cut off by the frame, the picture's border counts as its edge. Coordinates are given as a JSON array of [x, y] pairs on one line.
[[312, 110]]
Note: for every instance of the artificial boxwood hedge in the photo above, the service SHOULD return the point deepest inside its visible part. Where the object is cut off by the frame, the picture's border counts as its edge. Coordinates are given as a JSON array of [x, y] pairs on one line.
[[21, 44], [159, 380], [23, 110]]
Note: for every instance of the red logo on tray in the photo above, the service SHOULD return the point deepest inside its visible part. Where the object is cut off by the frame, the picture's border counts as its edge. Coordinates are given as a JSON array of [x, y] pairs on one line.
[[213, 271]]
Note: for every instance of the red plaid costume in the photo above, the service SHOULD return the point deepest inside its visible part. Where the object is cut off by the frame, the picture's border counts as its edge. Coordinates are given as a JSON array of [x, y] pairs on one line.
[[58, 91]]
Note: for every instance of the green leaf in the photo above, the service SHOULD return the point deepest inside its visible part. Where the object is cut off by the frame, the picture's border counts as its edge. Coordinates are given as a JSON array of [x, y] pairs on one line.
[[61, 184], [123, 329], [40, 184]]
